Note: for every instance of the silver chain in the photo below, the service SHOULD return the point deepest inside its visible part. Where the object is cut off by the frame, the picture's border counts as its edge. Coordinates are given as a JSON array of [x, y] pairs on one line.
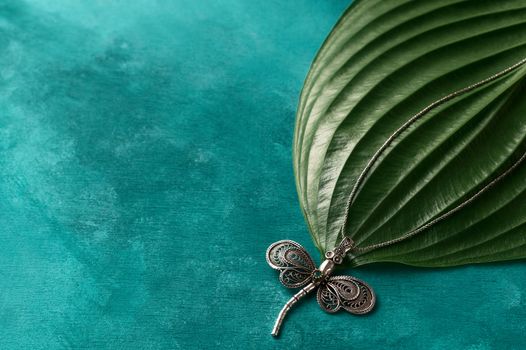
[[397, 133]]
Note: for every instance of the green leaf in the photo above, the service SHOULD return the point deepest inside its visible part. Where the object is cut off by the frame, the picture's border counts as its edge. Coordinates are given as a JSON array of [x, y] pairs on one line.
[[383, 62]]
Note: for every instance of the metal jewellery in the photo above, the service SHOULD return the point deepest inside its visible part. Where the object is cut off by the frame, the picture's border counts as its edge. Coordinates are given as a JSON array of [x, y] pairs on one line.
[[345, 292], [334, 292]]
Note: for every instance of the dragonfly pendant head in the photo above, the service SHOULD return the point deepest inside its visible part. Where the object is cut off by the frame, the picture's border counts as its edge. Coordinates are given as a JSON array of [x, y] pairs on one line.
[[323, 272]]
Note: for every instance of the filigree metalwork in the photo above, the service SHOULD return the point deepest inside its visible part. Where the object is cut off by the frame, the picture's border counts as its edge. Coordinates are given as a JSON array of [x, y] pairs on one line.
[[297, 269], [348, 293], [293, 262], [337, 255]]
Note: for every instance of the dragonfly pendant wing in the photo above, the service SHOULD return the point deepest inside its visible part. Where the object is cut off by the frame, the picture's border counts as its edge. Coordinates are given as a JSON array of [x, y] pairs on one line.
[[348, 293], [293, 261]]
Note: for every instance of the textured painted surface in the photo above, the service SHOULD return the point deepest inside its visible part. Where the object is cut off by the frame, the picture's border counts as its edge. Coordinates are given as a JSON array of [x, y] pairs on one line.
[[146, 166]]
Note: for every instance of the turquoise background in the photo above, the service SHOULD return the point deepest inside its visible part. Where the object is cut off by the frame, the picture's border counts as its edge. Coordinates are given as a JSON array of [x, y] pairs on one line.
[[145, 168]]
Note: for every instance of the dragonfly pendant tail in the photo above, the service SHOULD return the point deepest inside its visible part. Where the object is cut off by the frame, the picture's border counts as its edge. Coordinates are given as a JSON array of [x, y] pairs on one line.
[[297, 269], [295, 298]]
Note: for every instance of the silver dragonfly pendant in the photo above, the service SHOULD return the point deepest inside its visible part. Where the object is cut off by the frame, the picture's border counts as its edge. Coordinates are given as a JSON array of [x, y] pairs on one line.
[[334, 292]]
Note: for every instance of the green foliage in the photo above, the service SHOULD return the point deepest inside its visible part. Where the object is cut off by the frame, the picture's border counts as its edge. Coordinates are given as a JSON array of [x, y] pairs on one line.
[[383, 62]]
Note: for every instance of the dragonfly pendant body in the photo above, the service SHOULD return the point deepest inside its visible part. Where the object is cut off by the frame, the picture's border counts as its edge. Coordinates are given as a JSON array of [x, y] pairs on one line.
[[297, 269]]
